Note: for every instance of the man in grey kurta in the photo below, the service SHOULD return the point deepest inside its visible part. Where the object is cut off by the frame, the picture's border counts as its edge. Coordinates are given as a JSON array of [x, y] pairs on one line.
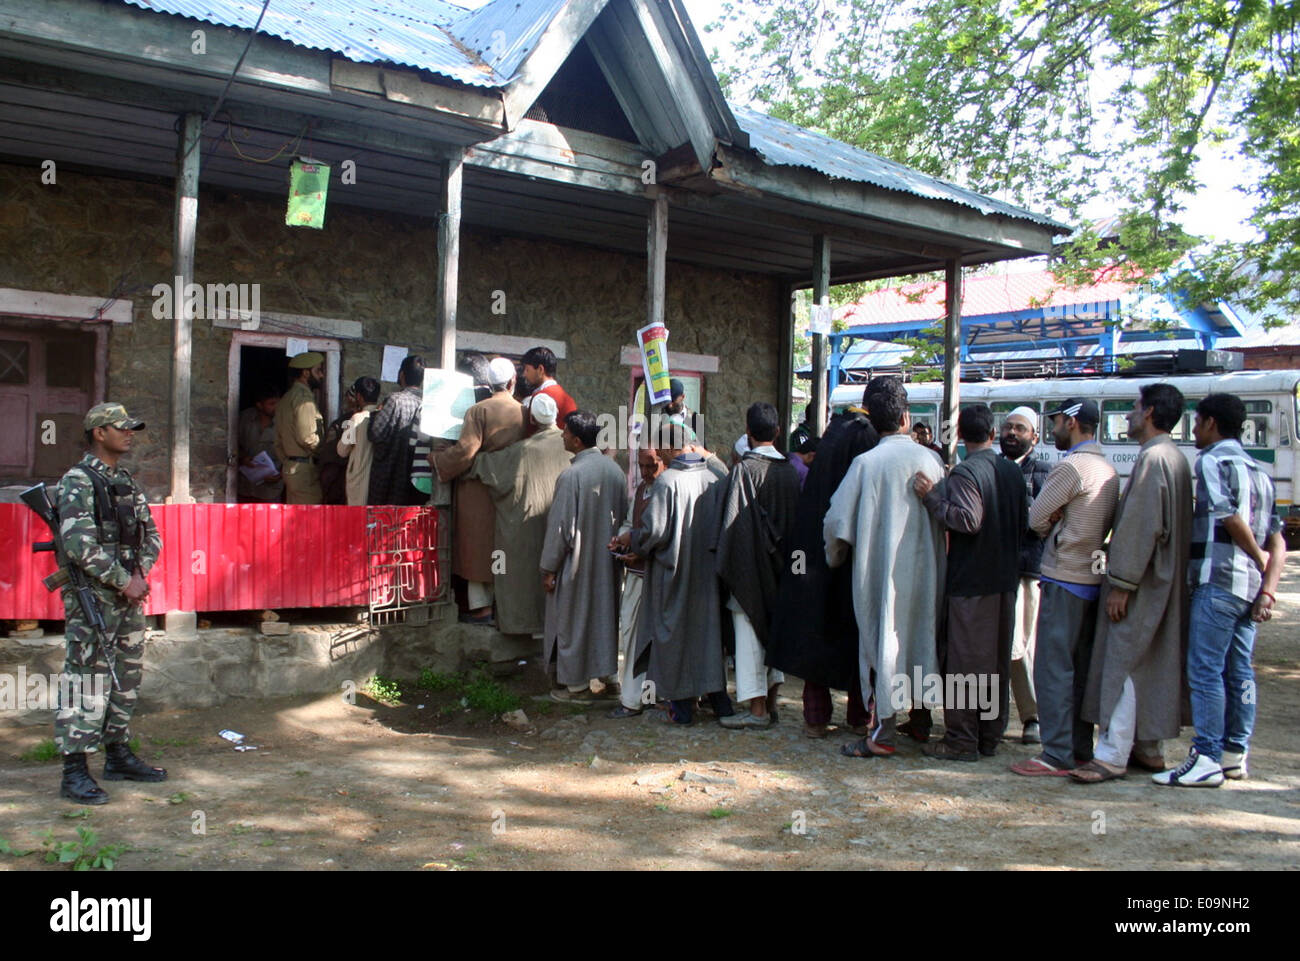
[[679, 644], [522, 480], [579, 574], [1135, 684], [898, 563]]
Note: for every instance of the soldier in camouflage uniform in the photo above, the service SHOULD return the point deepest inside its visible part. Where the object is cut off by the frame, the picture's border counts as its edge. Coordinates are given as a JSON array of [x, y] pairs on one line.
[[108, 532]]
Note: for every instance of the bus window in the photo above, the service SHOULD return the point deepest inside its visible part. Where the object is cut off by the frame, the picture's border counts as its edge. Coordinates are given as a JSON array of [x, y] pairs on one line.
[[1114, 421], [1254, 432], [929, 413]]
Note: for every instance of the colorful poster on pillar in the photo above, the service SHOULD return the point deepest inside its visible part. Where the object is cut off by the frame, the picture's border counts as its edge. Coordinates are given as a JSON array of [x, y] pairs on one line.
[[309, 184], [653, 341]]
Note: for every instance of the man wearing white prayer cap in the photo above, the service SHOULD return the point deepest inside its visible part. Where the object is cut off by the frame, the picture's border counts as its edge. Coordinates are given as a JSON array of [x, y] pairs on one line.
[[1019, 437], [544, 410]]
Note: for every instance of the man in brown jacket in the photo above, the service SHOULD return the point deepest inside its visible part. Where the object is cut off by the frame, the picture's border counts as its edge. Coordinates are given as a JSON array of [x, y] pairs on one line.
[[489, 425], [1074, 511], [1135, 689]]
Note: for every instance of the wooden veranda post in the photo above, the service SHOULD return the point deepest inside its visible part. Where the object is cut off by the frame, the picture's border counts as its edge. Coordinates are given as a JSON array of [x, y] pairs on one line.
[[821, 296], [449, 214], [657, 257], [951, 358], [186, 223]]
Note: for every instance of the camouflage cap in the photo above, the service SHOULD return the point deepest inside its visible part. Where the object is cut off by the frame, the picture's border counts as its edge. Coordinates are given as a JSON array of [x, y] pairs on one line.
[[110, 415], [306, 360]]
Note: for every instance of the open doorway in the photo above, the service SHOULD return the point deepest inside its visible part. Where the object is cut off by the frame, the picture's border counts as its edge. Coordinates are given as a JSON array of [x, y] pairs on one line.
[[257, 360]]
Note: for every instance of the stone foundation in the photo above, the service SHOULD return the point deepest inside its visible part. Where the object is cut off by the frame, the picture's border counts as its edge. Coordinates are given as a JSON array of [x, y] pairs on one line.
[[216, 665]]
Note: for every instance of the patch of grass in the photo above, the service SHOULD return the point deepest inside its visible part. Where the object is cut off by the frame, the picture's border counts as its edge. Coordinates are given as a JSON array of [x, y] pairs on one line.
[[45, 751], [661, 807], [302, 773], [573, 710], [80, 813], [6, 847], [544, 708], [180, 797], [382, 688], [431, 680], [485, 693], [719, 813], [83, 854]]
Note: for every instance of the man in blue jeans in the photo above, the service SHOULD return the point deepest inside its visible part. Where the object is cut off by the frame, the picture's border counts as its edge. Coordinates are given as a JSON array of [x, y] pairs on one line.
[[1236, 561]]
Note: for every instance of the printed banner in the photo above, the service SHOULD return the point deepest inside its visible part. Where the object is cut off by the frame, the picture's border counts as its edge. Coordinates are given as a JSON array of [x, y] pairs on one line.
[[653, 341], [308, 185]]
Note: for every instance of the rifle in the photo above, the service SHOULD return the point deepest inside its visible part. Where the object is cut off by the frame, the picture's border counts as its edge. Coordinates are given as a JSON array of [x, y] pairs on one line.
[[38, 499]]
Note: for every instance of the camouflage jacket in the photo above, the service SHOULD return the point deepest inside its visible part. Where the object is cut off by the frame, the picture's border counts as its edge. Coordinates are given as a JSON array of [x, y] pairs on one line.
[[94, 550]]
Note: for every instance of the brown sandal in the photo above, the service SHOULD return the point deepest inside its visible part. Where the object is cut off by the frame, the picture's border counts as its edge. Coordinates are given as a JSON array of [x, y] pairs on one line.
[[1094, 772]]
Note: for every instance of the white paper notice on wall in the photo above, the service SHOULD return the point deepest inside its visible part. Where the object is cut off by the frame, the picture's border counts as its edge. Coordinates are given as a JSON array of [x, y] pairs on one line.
[[293, 346], [820, 321], [393, 357]]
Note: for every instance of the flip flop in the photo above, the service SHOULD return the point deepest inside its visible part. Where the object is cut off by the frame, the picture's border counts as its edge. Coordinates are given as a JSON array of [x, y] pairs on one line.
[[864, 747], [1094, 772], [1037, 767]]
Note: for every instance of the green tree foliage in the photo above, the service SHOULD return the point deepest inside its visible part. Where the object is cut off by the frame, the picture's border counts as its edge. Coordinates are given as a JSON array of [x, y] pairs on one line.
[[1054, 104]]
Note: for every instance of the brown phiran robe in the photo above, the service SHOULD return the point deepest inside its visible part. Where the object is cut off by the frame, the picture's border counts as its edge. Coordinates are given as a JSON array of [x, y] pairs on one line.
[[522, 480], [489, 425], [1148, 555]]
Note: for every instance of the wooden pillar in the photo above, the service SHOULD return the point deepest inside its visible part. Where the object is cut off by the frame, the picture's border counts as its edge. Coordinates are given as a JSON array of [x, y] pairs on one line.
[[449, 215], [952, 337], [657, 257], [186, 223], [821, 296], [785, 365]]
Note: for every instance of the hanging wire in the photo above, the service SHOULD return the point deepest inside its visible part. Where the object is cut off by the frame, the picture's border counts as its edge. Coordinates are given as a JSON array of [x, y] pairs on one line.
[[229, 80]]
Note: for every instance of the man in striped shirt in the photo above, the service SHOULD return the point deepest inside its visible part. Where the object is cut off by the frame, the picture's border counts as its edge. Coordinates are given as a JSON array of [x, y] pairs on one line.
[[1236, 561]]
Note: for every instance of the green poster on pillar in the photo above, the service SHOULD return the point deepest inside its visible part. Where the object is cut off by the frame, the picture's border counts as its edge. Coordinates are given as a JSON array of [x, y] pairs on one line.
[[308, 185]]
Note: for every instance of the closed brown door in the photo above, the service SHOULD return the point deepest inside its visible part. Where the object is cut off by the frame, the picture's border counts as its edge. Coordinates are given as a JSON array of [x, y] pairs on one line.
[[47, 380]]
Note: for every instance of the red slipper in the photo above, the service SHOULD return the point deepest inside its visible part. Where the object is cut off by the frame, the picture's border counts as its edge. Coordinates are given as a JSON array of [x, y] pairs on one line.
[[1037, 767]]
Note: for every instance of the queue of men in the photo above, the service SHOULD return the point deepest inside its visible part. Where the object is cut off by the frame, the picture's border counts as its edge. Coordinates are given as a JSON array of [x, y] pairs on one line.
[[1115, 614]]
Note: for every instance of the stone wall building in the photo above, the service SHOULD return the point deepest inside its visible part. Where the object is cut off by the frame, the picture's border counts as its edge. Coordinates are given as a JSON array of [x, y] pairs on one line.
[[557, 172]]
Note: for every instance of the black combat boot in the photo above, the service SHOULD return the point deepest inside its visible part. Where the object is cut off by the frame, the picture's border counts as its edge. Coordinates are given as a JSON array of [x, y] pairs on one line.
[[122, 765], [77, 784]]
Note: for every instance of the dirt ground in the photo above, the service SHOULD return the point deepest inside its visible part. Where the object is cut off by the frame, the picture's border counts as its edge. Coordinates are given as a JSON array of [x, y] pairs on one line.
[[338, 786]]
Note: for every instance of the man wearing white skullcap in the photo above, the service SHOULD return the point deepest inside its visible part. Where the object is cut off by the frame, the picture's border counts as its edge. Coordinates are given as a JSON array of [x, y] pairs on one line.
[[521, 479], [490, 425], [1018, 438]]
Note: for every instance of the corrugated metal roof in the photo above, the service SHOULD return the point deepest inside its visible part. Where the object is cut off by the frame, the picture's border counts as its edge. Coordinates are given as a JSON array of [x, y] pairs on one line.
[[784, 144], [981, 296], [426, 34], [504, 32]]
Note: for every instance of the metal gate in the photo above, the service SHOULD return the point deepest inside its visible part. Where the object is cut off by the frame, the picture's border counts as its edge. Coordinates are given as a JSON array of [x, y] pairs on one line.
[[408, 553]]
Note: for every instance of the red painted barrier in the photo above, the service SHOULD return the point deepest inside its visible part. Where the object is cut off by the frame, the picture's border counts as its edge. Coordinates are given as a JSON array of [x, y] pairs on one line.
[[244, 557]]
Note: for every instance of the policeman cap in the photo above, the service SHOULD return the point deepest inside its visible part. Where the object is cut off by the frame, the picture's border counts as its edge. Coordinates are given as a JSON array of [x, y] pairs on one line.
[[306, 360], [110, 415]]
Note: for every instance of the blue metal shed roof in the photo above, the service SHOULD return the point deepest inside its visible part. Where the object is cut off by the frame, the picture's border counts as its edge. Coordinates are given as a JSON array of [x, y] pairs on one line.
[[482, 47], [784, 144]]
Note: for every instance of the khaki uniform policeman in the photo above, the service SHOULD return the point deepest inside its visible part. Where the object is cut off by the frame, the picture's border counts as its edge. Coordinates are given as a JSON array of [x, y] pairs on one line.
[[299, 429], [107, 532]]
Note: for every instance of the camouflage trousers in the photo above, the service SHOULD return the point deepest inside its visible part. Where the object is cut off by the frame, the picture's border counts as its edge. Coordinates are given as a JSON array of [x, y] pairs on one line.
[[92, 710]]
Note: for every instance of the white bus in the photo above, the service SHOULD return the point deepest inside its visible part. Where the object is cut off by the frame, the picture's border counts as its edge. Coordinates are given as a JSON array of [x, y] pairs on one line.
[[1272, 399]]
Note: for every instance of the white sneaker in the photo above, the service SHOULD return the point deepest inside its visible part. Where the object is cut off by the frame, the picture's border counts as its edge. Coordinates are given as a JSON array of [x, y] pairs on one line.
[[1196, 771], [1234, 765]]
